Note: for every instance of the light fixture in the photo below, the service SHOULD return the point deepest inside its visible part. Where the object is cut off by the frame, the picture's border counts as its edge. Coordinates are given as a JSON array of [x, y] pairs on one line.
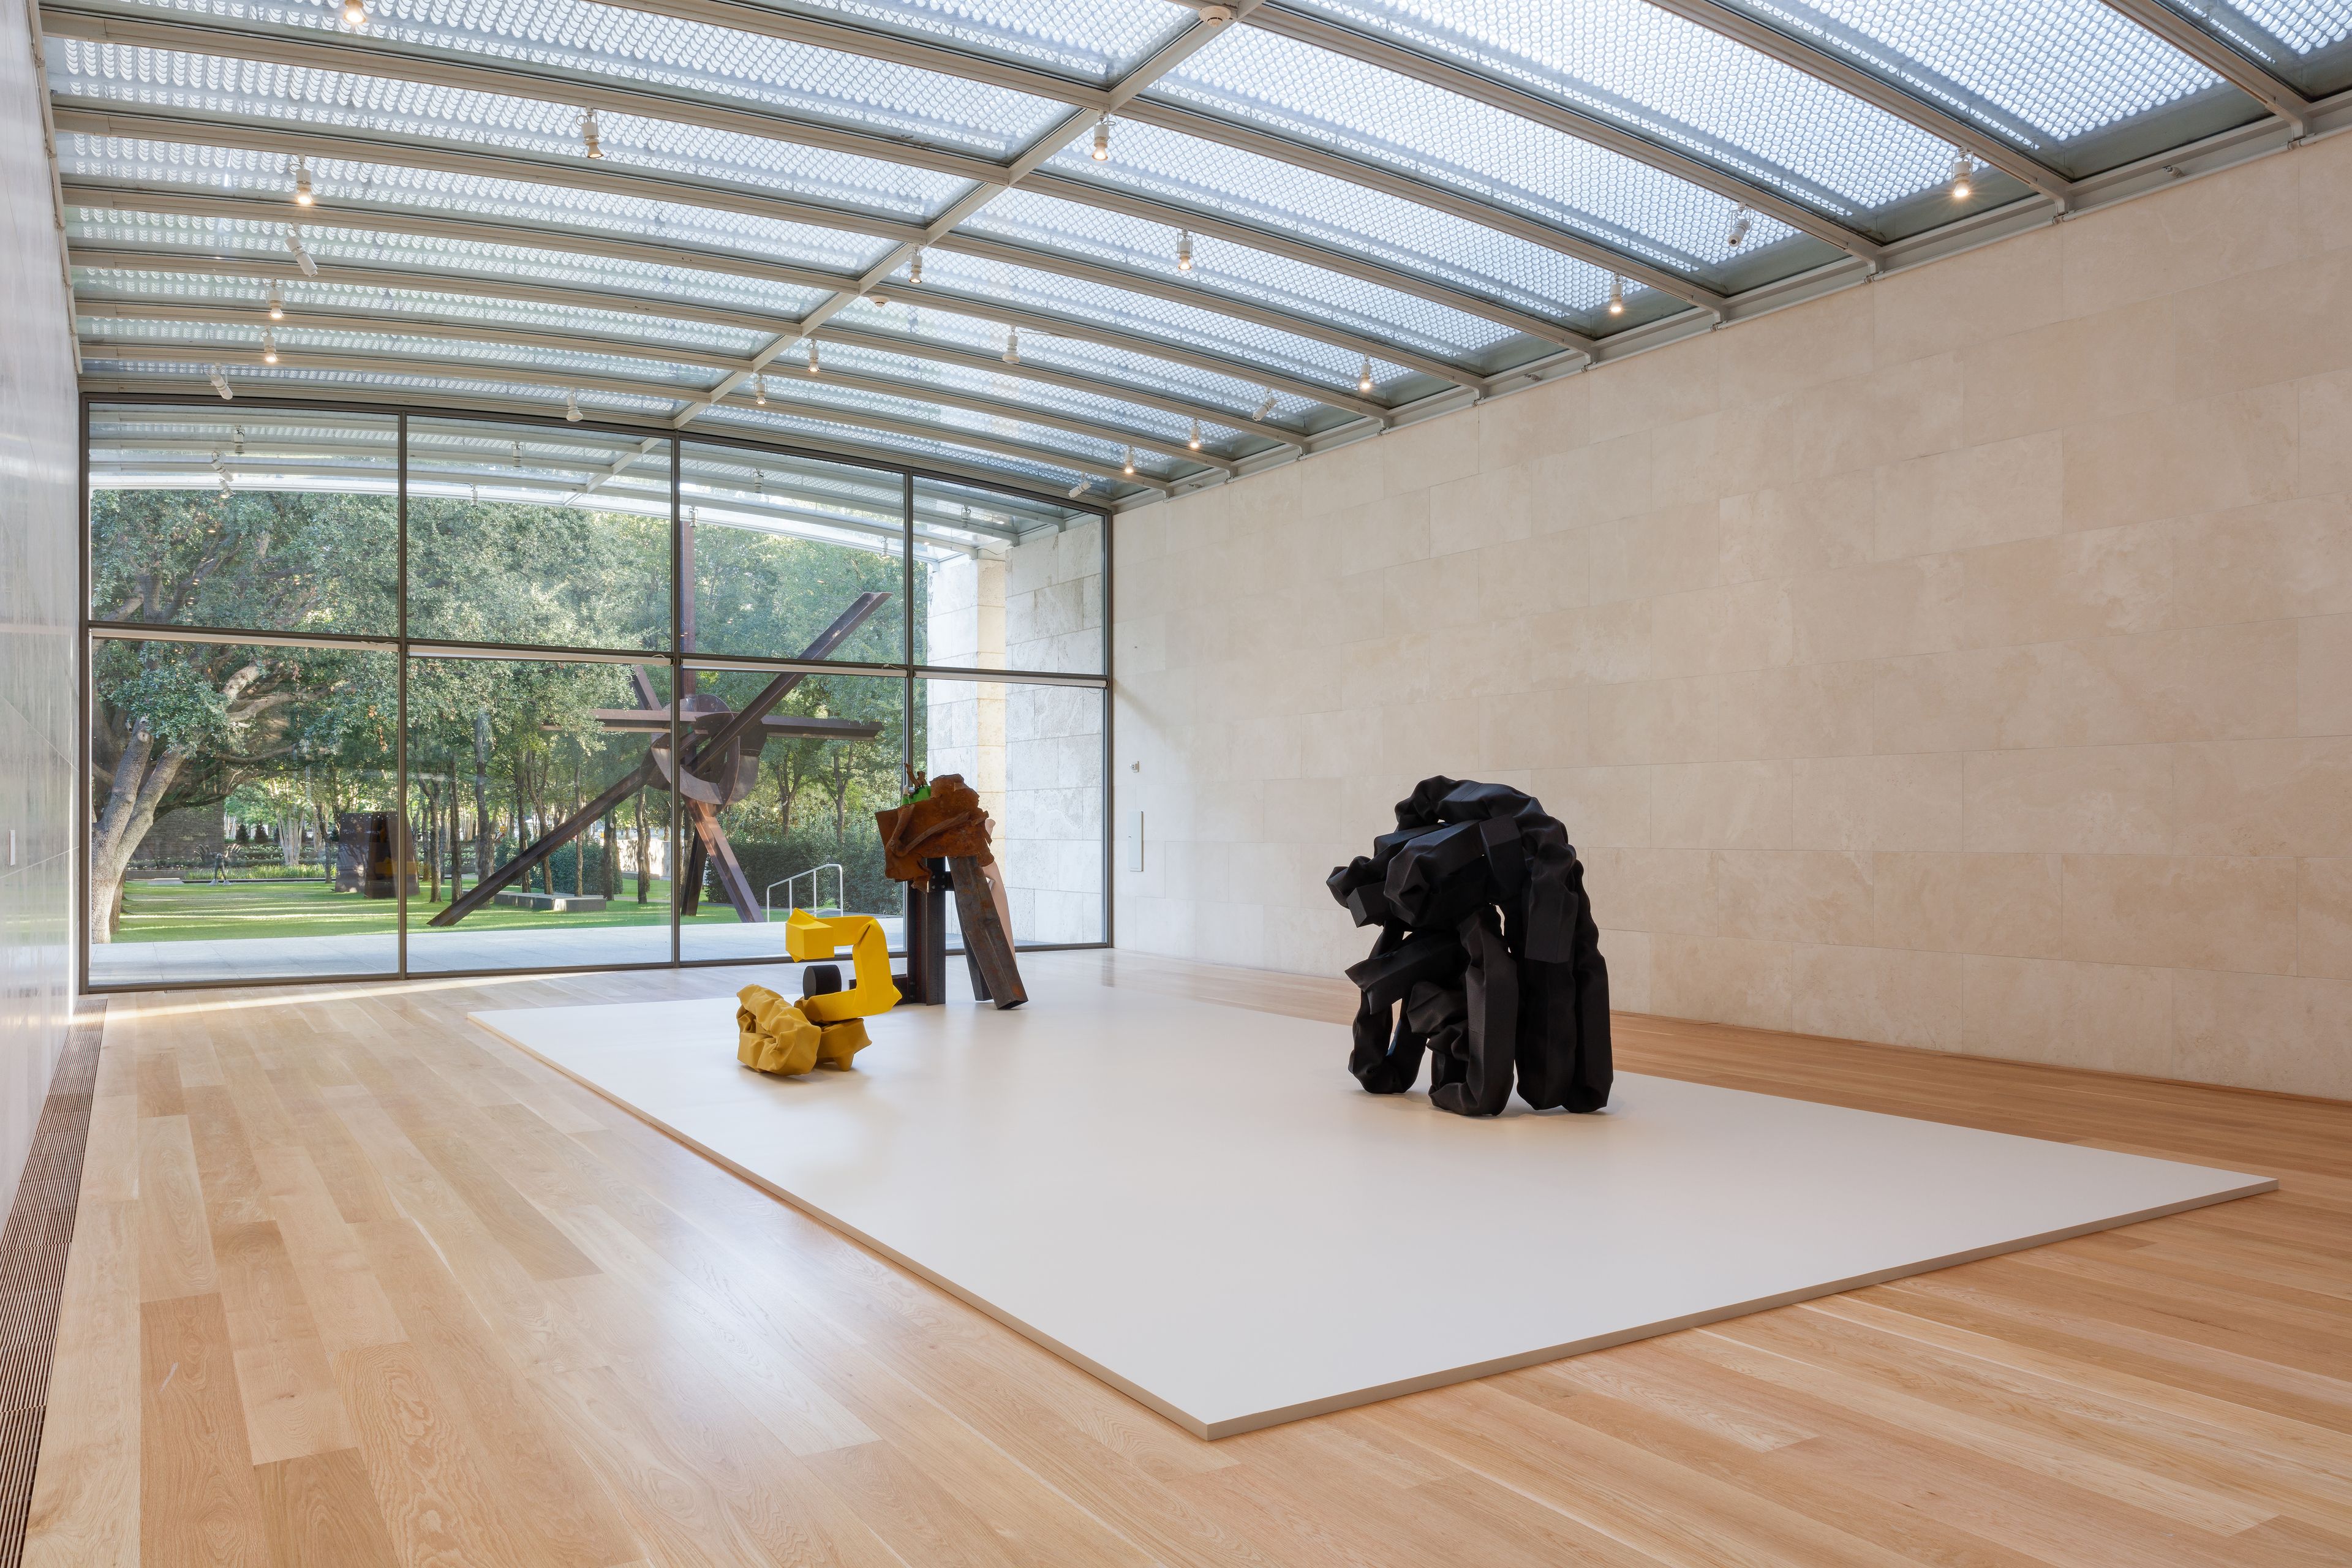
[[915, 268], [269, 346], [1183, 250], [220, 384], [571, 407], [1964, 169], [1265, 408], [1079, 488], [1102, 140], [813, 370], [301, 256], [354, 14], [1738, 235], [1616, 296], [877, 297], [1216, 15], [277, 301], [1195, 442], [1364, 376], [759, 390], [591, 142], [1012, 354], [303, 195], [1129, 467], [517, 453]]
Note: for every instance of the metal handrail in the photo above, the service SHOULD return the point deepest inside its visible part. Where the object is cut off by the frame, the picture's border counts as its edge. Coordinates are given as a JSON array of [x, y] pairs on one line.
[[840, 889]]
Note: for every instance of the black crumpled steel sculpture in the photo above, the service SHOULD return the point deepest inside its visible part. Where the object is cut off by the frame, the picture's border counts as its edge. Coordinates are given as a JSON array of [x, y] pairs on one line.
[[1488, 942]]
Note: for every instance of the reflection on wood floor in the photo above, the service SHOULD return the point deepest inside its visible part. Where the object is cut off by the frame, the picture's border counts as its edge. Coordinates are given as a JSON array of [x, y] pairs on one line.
[[356, 1284]]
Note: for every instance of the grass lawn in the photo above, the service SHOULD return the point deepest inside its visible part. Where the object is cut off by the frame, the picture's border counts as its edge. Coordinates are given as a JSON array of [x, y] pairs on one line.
[[210, 911]]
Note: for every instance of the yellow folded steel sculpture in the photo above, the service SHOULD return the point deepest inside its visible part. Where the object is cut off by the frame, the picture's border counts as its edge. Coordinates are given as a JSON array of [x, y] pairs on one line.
[[774, 1036]]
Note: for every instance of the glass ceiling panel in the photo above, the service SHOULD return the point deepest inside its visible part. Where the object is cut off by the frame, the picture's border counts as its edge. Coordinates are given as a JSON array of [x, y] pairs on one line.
[[1351, 219], [95, 285], [286, 380], [816, 395], [448, 258], [775, 424], [2307, 43], [859, 507], [2041, 73], [719, 64], [1676, 82], [243, 343], [860, 360], [1377, 116], [1093, 40], [1047, 223], [1283, 352], [921, 324], [229, 171], [156, 78]]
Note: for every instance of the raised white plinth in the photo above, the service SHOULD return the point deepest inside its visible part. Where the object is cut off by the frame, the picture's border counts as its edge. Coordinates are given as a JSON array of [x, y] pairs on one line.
[[1197, 1206]]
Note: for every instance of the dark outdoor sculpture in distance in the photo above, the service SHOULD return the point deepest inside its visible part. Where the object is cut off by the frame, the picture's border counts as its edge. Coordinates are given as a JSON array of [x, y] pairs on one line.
[[1488, 942]]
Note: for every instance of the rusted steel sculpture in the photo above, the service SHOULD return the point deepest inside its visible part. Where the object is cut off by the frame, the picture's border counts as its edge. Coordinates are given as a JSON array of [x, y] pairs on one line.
[[1488, 959], [937, 842], [722, 748]]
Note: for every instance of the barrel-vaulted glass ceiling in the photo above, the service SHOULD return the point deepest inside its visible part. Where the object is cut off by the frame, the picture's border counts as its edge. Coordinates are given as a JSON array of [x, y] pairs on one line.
[[1100, 246]]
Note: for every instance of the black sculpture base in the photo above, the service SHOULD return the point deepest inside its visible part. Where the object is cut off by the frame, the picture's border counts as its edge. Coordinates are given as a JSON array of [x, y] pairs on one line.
[[1488, 960]]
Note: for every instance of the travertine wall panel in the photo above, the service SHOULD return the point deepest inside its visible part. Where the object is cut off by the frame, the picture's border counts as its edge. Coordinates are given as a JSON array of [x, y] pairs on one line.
[[1963, 661]]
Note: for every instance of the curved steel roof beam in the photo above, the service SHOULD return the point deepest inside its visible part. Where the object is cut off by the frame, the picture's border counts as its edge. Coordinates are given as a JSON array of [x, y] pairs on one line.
[[132, 198], [651, 351], [100, 256]]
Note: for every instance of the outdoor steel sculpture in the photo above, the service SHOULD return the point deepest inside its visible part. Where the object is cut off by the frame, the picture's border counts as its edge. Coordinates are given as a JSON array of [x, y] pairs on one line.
[[721, 763], [1487, 958]]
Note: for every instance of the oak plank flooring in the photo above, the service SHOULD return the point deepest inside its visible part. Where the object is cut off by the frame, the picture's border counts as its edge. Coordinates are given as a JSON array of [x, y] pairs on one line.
[[354, 1284]]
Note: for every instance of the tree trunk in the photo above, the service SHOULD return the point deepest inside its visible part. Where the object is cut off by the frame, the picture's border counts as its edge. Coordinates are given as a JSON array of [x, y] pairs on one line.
[[608, 881], [482, 849], [457, 836], [645, 852], [140, 780]]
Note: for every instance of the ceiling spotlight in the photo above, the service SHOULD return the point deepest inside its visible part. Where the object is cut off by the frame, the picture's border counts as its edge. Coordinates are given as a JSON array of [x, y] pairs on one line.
[[220, 384], [591, 142], [1128, 468], [759, 390], [269, 346], [1216, 15], [517, 453], [301, 256], [1739, 225], [1079, 488], [303, 195], [915, 268], [354, 14], [814, 369], [571, 407], [1364, 376], [1183, 250], [1616, 296], [1102, 140], [277, 301], [1195, 442], [1012, 354], [1264, 408], [877, 297], [1964, 169]]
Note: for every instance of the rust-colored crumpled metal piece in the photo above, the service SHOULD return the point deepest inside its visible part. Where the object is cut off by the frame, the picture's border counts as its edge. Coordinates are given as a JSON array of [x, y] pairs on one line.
[[946, 827]]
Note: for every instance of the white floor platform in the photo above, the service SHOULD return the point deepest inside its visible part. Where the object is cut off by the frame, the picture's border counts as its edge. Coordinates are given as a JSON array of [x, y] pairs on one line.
[[1197, 1206]]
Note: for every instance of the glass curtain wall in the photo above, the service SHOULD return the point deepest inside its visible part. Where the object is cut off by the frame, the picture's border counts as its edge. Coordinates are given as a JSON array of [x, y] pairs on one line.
[[373, 693]]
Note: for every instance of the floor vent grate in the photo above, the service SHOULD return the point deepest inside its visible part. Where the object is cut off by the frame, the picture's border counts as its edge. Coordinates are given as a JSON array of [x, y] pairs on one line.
[[33, 1272]]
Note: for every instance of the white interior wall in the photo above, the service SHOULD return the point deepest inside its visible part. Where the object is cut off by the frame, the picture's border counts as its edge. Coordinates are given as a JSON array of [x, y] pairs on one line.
[[1963, 660], [38, 508]]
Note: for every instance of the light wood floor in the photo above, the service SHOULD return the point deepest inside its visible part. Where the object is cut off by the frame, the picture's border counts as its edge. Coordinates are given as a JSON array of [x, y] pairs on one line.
[[356, 1284]]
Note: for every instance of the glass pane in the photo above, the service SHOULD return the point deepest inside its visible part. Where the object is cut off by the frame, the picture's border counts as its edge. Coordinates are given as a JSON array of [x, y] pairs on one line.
[[243, 805], [537, 534], [506, 756], [260, 520], [1034, 756], [1006, 583], [2306, 42], [1095, 40], [783, 548], [792, 823]]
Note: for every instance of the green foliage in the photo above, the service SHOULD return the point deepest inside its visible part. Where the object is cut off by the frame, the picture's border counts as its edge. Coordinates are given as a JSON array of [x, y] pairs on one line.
[[769, 595], [768, 861], [263, 560], [556, 576]]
